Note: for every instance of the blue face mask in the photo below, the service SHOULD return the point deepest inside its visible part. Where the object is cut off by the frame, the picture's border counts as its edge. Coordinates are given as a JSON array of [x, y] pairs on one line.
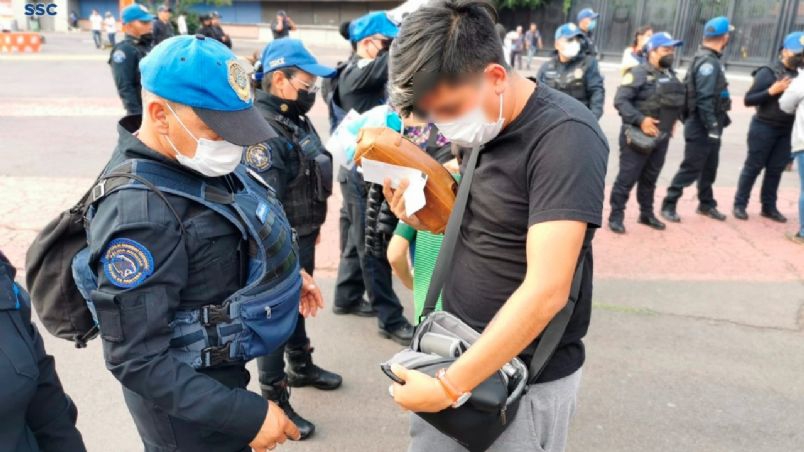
[[592, 25]]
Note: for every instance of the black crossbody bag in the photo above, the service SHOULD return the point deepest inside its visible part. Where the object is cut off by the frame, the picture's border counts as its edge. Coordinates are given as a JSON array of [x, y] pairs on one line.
[[494, 403]]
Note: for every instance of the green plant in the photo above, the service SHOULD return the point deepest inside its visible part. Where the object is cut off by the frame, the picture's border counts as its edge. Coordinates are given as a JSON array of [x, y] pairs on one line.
[[521, 3], [193, 21]]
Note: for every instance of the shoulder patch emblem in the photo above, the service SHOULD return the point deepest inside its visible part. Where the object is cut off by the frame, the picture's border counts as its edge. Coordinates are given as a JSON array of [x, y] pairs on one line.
[[706, 69], [579, 73], [239, 80], [118, 56], [127, 263], [258, 156], [628, 78]]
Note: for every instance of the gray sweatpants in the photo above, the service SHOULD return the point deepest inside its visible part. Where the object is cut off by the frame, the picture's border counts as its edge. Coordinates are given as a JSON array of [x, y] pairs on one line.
[[540, 425]]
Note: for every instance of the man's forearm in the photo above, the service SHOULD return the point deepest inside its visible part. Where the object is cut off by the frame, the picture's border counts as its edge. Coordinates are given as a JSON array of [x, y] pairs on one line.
[[523, 318]]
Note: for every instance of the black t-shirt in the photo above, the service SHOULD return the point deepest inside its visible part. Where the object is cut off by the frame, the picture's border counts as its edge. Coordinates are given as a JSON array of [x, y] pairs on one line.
[[549, 164], [361, 85]]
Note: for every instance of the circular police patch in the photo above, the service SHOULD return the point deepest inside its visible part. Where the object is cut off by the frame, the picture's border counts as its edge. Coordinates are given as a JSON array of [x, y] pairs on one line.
[[118, 56], [127, 263], [628, 78], [579, 73], [706, 69], [239, 80], [258, 156]]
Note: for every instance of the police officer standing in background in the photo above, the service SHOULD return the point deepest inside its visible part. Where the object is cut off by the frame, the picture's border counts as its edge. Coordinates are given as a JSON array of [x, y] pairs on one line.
[[708, 102], [216, 24], [211, 30], [199, 272], [298, 167], [650, 98], [770, 130], [573, 71], [163, 29], [587, 22], [362, 86], [126, 55]]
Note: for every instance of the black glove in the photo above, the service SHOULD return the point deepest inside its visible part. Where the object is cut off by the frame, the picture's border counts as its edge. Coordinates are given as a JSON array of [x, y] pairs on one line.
[[380, 222]]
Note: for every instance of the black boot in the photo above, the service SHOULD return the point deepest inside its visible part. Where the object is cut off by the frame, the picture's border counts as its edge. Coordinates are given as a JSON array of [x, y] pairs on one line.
[[774, 214], [280, 394], [740, 213], [616, 225], [652, 221], [302, 372], [669, 214]]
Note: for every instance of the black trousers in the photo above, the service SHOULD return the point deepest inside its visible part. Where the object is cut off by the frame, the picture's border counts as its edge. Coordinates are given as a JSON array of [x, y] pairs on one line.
[[701, 158], [637, 169], [358, 271], [272, 366], [769, 150]]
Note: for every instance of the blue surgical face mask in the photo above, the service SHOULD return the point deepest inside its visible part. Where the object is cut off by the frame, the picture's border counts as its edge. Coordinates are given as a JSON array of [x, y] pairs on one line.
[[592, 24]]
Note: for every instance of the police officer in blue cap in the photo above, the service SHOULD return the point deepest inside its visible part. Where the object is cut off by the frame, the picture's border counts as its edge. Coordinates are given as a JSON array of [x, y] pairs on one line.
[[126, 55], [770, 130], [708, 103], [587, 22], [299, 168], [573, 71], [196, 265], [650, 101], [362, 86]]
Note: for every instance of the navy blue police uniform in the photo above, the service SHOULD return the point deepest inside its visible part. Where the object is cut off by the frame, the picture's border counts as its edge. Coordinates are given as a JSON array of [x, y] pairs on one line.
[[768, 135], [193, 275], [125, 59], [299, 168], [708, 103], [362, 86], [36, 413], [646, 91]]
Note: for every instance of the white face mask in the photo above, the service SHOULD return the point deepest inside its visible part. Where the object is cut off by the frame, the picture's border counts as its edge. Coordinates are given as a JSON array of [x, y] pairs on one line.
[[472, 129], [212, 158], [571, 49]]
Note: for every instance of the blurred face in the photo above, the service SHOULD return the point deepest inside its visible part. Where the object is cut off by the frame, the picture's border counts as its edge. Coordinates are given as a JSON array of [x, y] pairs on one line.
[[164, 16], [373, 46], [216, 21], [643, 38], [568, 47], [168, 126], [662, 57], [532, 27], [288, 87], [138, 28], [450, 101], [519, 29], [584, 24]]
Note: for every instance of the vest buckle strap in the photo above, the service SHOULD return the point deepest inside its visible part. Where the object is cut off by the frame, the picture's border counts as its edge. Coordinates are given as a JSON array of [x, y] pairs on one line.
[[215, 356], [215, 314]]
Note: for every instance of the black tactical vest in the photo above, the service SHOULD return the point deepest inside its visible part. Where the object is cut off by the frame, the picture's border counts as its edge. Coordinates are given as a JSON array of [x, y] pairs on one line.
[[568, 78], [702, 56], [770, 111], [666, 97], [305, 199]]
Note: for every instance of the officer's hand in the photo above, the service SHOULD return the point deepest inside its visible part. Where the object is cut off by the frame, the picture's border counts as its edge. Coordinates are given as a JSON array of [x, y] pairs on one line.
[[396, 202], [779, 86], [649, 126], [275, 430], [311, 298]]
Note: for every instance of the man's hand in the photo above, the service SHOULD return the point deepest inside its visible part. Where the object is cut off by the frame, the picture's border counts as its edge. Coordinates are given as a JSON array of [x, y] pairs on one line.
[[421, 393], [649, 126], [396, 202], [275, 430], [311, 298], [779, 86]]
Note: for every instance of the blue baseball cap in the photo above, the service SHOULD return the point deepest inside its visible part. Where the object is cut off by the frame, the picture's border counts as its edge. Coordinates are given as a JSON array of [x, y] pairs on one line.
[[289, 52], [204, 74], [794, 42], [662, 39], [718, 26], [568, 30], [136, 12], [376, 23], [587, 13]]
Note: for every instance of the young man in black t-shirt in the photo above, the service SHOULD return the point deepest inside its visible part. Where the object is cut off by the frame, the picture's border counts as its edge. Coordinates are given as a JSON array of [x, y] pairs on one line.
[[534, 205]]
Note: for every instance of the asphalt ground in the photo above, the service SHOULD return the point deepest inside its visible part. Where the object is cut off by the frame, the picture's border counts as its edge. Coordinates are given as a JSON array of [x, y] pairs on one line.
[[697, 336]]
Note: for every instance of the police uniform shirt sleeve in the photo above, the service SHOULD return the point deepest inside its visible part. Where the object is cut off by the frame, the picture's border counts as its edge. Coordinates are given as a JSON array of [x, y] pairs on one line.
[[566, 175], [270, 161], [595, 87], [367, 75], [758, 93], [141, 264], [51, 414], [626, 94], [706, 99], [124, 61]]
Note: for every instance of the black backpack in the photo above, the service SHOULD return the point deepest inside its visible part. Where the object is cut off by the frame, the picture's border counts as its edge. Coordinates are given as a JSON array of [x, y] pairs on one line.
[[48, 265]]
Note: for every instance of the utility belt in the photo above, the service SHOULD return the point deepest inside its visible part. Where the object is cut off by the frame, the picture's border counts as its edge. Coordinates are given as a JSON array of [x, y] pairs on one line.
[[253, 321]]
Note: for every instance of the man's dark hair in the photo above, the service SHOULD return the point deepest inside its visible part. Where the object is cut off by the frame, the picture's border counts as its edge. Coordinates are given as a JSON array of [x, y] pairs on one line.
[[445, 40], [266, 78]]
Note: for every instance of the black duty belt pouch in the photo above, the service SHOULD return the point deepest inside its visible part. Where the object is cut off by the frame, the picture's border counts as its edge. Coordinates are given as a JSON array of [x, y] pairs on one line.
[[640, 142], [494, 403], [323, 175]]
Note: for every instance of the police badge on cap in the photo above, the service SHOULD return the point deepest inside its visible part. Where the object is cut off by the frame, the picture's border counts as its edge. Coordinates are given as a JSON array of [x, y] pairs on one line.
[[239, 80]]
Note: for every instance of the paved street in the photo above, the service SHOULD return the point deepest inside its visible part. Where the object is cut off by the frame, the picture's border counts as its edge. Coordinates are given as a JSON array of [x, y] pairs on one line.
[[697, 336]]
